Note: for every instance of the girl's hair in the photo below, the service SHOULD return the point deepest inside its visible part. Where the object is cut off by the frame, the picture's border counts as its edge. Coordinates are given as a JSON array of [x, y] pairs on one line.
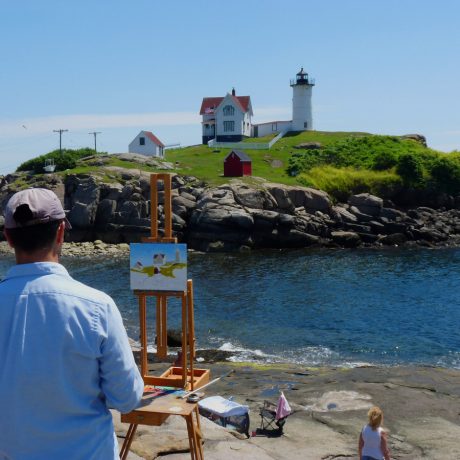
[[375, 416]]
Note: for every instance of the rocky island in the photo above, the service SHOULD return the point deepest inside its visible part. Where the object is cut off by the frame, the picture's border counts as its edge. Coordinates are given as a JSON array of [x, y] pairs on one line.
[[238, 216]]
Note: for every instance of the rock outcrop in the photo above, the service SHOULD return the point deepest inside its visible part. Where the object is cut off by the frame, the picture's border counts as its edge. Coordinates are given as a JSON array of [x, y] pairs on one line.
[[236, 216]]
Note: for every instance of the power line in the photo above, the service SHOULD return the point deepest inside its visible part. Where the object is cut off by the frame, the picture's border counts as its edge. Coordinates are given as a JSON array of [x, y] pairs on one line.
[[95, 133], [60, 131]]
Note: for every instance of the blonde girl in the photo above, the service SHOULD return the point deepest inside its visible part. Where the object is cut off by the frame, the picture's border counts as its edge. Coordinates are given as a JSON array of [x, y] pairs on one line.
[[372, 439]]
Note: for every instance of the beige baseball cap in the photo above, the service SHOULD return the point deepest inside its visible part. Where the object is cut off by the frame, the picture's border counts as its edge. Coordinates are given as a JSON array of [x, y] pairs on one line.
[[34, 206]]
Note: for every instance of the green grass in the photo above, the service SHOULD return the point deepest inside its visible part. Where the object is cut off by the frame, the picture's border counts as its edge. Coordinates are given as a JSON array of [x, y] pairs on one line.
[[261, 140], [208, 164], [340, 182], [347, 162]]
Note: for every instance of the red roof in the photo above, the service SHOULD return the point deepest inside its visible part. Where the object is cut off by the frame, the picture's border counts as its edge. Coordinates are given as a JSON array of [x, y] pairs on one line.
[[241, 155], [212, 102], [154, 139]]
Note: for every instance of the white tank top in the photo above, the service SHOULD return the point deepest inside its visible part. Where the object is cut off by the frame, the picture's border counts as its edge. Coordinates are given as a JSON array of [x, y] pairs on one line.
[[372, 442]]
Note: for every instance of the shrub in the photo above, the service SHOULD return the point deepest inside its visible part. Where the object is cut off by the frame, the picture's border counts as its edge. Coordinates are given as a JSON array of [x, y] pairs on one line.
[[364, 152], [445, 172], [410, 168], [67, 160], [303, 161], [384, 160]]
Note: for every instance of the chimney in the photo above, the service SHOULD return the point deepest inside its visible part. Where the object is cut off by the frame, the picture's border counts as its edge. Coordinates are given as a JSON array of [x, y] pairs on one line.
[[233, 91]]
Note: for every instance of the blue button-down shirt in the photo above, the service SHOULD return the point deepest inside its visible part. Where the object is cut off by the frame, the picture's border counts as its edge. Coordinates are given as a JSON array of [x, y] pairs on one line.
[[64, 361]]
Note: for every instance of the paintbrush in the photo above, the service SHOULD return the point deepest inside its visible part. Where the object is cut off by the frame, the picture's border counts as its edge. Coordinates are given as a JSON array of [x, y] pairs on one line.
[[188, 393]]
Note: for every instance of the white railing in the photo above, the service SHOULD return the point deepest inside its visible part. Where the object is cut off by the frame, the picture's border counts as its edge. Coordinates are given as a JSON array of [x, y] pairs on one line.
[[277, 138], [246, 145], [239, 145]]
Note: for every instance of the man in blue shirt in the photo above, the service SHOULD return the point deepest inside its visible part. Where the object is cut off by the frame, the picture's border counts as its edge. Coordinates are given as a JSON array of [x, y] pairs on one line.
[[64, 353]]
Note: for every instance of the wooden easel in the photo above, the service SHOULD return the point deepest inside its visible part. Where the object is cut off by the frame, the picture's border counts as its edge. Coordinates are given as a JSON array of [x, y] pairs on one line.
[[184, 376]]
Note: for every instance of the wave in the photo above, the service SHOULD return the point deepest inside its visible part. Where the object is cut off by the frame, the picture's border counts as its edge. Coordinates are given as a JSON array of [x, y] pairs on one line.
[[450, 360], [314, 356], [307, 356]]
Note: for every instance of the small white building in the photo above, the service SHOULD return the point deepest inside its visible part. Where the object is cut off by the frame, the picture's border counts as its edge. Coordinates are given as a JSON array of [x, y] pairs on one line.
[[146, 143], [271, 127], [229, 118]]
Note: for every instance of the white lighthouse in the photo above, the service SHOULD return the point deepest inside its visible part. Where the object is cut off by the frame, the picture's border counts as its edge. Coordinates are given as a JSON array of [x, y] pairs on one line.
[[302, 118]]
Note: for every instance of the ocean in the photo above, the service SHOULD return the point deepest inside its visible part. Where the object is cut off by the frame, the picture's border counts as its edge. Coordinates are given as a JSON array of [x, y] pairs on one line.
[[324, 307]]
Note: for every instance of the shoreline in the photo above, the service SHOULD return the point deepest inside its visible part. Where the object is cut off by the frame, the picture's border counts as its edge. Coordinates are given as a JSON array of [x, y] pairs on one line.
[[421, 406], [211, 356], [97, 248]]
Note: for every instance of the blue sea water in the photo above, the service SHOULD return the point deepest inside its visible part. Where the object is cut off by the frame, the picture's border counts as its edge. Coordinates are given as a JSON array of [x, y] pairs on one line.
[[328, 307]]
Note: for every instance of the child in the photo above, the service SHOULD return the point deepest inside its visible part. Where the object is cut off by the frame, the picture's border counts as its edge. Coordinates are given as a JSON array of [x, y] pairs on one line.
[[373, 440]]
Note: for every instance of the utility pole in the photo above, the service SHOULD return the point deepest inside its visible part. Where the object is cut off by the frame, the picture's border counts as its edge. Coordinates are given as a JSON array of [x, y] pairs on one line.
[[60, 131], [95, 133]]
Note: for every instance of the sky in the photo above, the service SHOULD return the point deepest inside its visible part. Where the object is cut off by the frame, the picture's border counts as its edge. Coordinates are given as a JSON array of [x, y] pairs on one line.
[[118, 67]]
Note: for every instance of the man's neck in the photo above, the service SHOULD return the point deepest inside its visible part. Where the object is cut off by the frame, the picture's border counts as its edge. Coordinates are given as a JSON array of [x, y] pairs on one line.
[[37, 256]]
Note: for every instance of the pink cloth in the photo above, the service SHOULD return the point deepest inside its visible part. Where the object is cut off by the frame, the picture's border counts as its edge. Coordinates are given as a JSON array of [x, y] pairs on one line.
[[283, 409]]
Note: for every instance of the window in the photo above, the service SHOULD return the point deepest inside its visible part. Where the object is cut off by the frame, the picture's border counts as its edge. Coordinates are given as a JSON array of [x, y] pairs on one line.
[[305, 124], [274, 126], [229, 110], [142, 141], [229, 126]]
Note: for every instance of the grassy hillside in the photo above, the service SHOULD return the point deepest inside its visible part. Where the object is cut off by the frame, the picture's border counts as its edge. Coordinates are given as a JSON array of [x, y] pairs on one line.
[[272, 164], [345, 163]]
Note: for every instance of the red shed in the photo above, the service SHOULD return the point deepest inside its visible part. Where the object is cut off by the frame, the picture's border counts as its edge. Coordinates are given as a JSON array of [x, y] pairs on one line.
[[237, 164]]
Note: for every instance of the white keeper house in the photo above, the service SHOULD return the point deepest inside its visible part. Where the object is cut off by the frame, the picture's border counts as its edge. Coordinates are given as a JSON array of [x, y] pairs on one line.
[[229, 118]]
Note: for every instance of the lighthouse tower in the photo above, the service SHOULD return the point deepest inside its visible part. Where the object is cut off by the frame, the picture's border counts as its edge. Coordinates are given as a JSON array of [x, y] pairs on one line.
[[302, 118]]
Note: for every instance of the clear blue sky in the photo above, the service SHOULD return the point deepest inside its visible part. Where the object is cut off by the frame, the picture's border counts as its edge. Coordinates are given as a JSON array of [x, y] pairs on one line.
[[381, 66]]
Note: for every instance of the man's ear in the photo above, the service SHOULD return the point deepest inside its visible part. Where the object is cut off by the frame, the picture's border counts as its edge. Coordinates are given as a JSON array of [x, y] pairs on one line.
[[7, 237], [60, 233]]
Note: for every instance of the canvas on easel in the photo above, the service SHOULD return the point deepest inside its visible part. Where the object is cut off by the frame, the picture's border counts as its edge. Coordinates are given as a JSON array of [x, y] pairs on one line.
[[158, 267]]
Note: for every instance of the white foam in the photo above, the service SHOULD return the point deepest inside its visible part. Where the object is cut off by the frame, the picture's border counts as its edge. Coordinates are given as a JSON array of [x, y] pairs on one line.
[[451, 360], [306, 356]]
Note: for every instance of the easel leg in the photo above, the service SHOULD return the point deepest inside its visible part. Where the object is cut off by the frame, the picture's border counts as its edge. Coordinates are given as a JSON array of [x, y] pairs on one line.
[[192, 439], [194, 435], [198, 434], [143, 328], [198, 425], [162, 333], [184, 343], [128, 440], [191, 330]]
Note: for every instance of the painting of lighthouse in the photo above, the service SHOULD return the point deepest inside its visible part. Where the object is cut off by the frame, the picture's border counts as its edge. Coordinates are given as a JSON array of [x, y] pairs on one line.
[[158, 266]]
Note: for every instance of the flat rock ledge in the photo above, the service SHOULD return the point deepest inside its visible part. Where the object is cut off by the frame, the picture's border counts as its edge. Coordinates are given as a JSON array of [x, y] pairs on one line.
[[421, 406]]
